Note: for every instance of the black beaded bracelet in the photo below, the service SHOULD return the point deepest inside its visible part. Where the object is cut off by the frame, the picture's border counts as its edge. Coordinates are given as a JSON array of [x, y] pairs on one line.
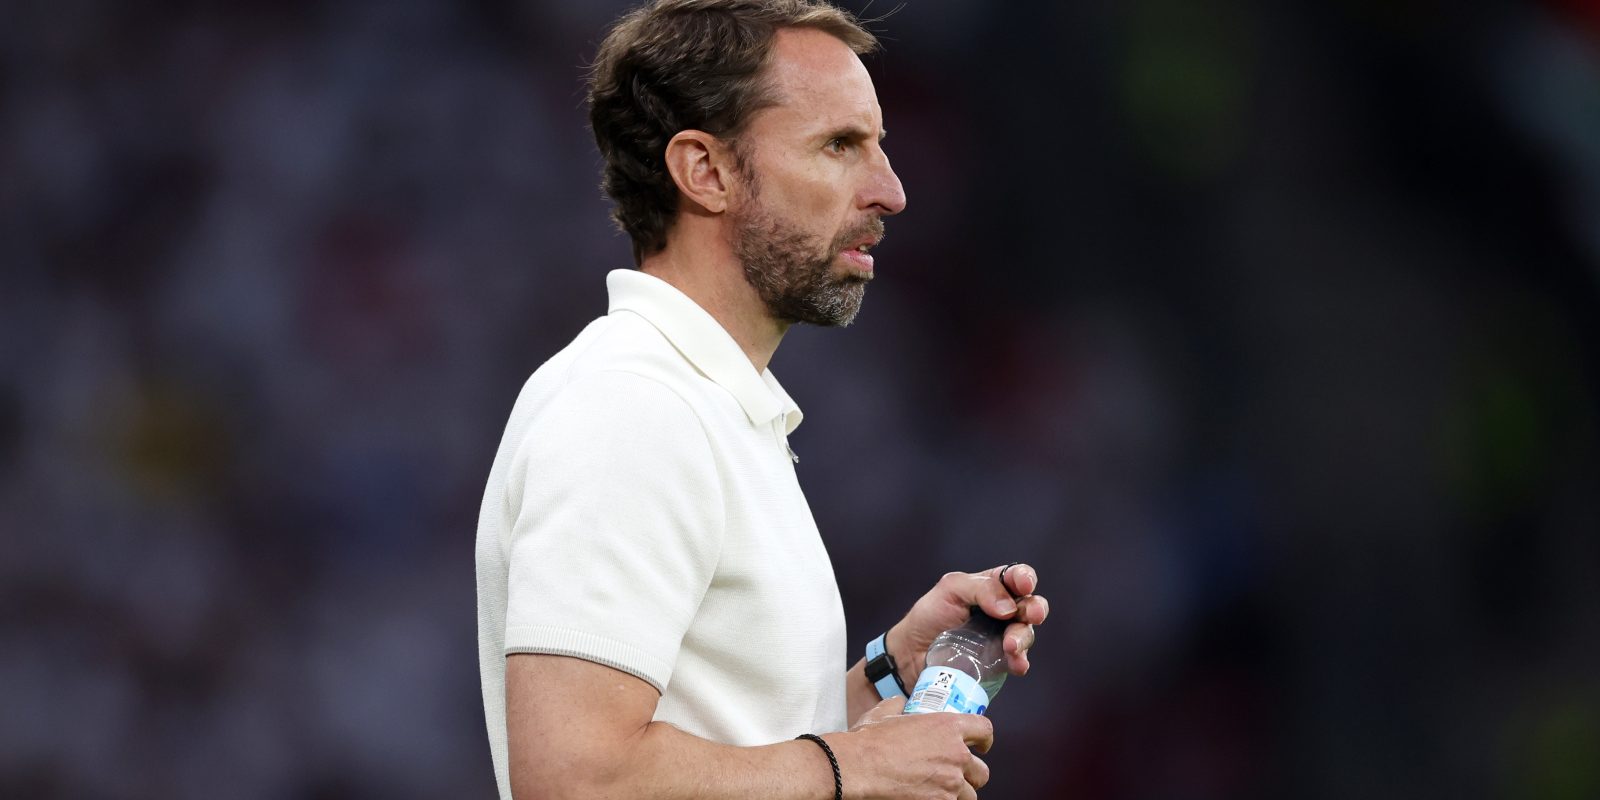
[[838, 782]]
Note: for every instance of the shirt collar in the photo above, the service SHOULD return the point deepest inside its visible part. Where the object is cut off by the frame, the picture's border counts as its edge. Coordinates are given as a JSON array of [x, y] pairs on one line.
[[707, 345]]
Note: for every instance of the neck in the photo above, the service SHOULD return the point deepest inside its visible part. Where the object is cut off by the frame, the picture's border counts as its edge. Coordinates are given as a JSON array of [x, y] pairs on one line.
[[714, 279]]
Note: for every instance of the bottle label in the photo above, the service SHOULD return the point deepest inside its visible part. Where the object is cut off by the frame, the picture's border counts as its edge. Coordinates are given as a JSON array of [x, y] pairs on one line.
[[946, 689]]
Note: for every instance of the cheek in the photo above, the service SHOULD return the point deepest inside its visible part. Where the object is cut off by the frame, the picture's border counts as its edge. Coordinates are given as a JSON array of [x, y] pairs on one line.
[[816, 217], [835, 198], [819, 193]]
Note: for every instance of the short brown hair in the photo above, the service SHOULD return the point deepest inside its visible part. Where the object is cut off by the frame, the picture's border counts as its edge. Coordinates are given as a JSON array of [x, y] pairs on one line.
[[674, 65]]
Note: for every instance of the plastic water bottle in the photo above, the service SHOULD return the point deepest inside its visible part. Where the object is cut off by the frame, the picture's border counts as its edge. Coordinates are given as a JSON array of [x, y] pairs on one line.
[[966, 668]]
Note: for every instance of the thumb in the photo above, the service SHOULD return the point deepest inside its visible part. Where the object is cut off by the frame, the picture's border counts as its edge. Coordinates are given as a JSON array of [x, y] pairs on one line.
[[882, 711]]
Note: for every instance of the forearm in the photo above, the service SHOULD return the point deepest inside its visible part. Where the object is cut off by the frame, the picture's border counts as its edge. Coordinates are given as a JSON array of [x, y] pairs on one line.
[[663, 762], [577, 730], [860, 694]]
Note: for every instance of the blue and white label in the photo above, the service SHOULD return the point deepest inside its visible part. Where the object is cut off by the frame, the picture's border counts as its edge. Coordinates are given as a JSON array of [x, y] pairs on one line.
[[946, 689]]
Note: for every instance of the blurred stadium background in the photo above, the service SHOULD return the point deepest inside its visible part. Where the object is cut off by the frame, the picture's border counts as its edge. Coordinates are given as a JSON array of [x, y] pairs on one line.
[[1269, 332]]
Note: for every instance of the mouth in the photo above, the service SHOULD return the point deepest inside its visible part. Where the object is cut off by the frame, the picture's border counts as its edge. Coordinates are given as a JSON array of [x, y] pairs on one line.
[[859, 254], [867, 242], [859, 259]]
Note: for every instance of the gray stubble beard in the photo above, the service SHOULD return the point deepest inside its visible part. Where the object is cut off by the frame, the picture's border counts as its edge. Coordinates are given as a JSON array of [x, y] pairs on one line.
[[796, 283]]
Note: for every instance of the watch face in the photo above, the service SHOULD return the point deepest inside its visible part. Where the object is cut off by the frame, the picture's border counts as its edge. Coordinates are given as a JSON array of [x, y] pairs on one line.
[[878, 667]]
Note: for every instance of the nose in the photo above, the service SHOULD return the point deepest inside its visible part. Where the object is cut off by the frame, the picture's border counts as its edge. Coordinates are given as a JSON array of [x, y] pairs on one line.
[[883, 190]]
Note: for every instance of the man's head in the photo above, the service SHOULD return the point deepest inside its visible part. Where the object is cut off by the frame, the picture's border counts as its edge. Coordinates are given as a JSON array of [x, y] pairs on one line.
[[759, 114]]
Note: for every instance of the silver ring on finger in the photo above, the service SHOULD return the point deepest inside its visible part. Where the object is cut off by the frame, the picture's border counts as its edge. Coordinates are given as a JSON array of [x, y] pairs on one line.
[[1003, 575]]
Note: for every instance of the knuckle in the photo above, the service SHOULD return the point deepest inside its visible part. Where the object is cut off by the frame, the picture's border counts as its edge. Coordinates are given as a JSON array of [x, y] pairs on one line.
[[952, 779], [957, 755]]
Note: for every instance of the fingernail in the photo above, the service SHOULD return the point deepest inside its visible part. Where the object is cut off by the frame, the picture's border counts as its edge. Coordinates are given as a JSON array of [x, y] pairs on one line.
[[1006, 606]]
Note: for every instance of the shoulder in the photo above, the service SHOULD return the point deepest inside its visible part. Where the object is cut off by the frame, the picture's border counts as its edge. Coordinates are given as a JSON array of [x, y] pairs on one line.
[[619, 399], [620, 387], [609, 428], [620, 356], [627, 343]]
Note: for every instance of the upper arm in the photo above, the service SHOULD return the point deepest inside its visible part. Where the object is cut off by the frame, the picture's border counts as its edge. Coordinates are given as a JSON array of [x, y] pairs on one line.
[[618, 529], [569, 721]]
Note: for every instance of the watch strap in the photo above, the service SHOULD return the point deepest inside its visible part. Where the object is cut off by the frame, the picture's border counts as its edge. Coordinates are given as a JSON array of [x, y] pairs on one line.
[[881, 670]]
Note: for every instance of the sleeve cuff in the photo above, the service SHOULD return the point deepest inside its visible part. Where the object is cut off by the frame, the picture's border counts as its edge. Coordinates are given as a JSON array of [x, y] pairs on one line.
[[589, 647]]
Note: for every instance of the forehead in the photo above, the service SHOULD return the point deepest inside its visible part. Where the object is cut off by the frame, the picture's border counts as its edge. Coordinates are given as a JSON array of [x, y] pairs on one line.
[[818, 81]]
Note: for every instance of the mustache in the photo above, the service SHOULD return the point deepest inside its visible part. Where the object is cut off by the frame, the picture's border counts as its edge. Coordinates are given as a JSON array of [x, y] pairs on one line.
[[872, 227]]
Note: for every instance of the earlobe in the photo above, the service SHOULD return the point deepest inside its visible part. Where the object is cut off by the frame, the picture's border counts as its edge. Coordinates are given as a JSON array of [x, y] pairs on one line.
[[693, 161]]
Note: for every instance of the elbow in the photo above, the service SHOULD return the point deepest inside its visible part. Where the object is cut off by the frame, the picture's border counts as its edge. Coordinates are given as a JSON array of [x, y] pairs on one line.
[[563, 788], [551, 776]]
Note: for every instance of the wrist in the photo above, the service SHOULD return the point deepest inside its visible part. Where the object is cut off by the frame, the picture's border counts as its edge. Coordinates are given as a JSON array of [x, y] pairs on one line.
[[836, 785], [906, 657], [882, 671], [856, 777]]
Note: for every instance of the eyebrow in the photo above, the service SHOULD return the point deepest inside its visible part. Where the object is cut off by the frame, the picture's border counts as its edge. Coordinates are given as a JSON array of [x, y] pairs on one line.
[[853, 132]]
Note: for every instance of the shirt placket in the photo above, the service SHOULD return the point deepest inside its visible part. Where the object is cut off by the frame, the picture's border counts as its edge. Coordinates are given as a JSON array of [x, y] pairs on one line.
[[782, 437]]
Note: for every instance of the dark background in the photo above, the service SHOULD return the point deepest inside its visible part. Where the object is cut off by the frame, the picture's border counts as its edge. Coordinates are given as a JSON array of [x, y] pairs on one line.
[[1269, 332]]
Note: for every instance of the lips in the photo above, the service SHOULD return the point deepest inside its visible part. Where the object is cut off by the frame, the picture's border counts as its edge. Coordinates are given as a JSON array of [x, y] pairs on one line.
[[868, 241], [859, 258], [856, 247]]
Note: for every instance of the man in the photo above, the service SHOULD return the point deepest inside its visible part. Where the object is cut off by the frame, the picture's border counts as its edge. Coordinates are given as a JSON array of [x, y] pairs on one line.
[[658, 617]]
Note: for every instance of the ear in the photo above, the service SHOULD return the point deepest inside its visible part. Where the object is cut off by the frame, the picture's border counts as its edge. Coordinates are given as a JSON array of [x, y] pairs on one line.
[[701, 165]]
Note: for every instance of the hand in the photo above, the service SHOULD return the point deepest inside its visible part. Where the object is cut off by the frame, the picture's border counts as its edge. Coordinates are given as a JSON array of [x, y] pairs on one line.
[[891, 756], [947, 605]]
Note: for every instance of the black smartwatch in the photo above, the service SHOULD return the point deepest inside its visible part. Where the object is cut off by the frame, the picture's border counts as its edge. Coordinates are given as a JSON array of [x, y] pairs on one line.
[[882, 672]]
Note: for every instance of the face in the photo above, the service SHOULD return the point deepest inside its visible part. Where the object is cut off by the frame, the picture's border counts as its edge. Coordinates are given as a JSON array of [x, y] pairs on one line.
[[816, 183]]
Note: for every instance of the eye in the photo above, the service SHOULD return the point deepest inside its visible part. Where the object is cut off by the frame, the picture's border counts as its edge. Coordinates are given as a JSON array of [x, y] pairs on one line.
[[837, 144]]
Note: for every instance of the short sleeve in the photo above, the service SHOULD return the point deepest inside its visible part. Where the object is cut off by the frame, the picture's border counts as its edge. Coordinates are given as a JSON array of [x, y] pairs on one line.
[[619, 528]]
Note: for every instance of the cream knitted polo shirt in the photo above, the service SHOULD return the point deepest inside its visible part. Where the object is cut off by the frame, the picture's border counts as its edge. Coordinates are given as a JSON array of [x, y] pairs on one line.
[[643, 513]]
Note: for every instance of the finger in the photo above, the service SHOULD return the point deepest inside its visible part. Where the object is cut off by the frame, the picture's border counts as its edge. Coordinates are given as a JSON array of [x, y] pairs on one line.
[[966, 792], [1019, 639], [1032, 609], [985, 591], [977, 731], [976, 772], [1020, 580], [888, 708]]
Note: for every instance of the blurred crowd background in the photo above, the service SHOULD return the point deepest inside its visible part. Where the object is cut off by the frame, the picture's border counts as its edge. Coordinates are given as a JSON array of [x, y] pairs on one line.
[[1269, 332]]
